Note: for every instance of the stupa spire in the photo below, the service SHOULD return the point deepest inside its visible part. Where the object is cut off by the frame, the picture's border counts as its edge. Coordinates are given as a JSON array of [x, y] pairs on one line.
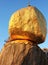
[[28, 2]]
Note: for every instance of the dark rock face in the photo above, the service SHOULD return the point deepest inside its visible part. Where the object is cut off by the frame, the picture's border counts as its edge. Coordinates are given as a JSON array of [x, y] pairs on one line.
[[22, 54], [46, 52]]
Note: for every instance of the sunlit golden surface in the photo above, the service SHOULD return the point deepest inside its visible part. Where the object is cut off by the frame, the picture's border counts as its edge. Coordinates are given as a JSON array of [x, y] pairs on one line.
[[28, 21]]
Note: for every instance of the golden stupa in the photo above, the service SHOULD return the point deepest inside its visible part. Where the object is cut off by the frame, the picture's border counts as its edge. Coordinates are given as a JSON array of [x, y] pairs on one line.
[[28, 22]]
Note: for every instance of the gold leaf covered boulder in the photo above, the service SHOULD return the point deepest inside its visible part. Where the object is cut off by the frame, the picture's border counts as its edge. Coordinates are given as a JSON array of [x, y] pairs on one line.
[[28, 23]]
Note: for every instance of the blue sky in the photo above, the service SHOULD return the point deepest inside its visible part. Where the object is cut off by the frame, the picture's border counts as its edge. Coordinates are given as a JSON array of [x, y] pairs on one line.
[[7, 7]]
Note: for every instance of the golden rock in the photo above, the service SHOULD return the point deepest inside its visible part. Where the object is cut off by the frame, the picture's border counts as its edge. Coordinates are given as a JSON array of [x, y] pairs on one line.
[[28, 22]]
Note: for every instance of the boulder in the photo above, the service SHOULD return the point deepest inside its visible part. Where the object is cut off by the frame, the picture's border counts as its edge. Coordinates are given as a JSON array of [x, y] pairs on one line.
[[30, 22]]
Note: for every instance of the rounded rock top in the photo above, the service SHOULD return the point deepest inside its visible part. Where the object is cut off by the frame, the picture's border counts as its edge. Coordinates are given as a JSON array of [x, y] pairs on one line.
[[29, 22]]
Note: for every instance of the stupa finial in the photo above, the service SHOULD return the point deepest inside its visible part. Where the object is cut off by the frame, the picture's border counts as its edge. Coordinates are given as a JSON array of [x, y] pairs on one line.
[[28, 2]]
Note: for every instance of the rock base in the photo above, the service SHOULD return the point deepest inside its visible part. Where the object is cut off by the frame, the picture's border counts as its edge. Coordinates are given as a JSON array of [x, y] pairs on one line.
[[22, 54]]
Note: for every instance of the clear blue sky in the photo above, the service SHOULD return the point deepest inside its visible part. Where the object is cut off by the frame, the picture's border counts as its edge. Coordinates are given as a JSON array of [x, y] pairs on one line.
[[7, 7]]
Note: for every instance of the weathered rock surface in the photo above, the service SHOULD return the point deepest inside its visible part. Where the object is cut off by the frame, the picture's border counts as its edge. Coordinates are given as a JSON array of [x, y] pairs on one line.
[[22, 54], [46, 52]]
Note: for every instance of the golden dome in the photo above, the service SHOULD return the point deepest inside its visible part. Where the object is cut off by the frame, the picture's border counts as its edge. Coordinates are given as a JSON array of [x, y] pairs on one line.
[[28, 21]]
